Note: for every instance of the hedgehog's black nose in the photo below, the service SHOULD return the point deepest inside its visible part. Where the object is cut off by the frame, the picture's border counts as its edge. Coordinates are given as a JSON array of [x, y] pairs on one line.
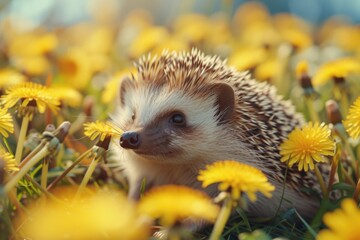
[[130, 140]]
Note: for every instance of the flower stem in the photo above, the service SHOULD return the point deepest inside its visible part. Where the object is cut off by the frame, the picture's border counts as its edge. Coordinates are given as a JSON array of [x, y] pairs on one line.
[[15, 179], [21, 140], [44, 173], [64, 173], [347, 176], [344, 101], [222, 218], [310, 106], [356, 192], [334, 165], [90, 170], [321, 182], [282, 193], [32, 153]]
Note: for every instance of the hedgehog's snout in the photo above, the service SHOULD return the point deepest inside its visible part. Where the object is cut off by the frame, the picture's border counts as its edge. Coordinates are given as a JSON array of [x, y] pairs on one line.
[[130, 140]]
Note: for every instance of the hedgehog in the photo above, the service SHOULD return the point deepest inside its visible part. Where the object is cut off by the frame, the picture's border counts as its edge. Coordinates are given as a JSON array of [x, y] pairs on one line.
[[183, 111]]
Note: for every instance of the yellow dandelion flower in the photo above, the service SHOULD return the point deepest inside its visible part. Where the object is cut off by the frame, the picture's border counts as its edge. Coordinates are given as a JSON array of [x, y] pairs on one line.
[[33, 44], [6, 123], [32, 65], [147, 40], [172, 204], [250, 13], [268, 70], [296, 37], [247, 58], [192, 28], [352, 121], [101, 129], [343, 223], [113, 85], [339, 68], [101, 215], [306, 145], [302, 68], [76, 68], [31, 94], [10, 77], [236, 177], [10, 164], [68, 96]]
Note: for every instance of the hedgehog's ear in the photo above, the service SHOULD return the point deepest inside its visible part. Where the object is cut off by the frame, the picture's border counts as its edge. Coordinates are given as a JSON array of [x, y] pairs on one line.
[[126, 85], [225, 101]]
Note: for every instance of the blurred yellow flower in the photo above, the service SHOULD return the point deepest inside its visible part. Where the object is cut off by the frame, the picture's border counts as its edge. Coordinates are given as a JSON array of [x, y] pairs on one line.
[[297, 38], [101, 129], [113, 85], [268, 70], [172, 204], [101, 215], [67, 95], [33, 65], [10, 77], [192, 28], [30, 95], [352, 121], [247, 58], [343, 223], [339, 68], [250, 13], [219, 35], [253, 35], [171, 44], [27, 51], [6, 123], [32, 44], [347, 37], [302, 68], [99, 40], [75, 68], [147, 40], [293, 30], [283, 21], [236, 177], [307, 145], [10, 163]]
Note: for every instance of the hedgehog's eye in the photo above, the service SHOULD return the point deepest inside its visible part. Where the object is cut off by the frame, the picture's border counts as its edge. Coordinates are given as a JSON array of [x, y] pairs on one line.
[[178, 119], [133, 116]]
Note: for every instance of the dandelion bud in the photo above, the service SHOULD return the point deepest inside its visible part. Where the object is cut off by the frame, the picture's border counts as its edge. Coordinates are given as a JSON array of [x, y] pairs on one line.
[[62, 131], [333, 112], [304, 78]]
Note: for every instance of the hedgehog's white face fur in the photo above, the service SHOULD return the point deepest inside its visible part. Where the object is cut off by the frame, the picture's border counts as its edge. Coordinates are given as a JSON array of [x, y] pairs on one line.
[[173, 126]]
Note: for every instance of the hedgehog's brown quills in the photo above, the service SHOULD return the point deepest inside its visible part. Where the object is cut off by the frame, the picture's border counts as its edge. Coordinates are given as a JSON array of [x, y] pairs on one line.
[[183, 111]]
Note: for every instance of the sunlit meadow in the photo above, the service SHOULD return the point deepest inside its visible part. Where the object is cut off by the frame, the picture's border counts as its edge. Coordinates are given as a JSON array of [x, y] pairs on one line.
[[59, 83]]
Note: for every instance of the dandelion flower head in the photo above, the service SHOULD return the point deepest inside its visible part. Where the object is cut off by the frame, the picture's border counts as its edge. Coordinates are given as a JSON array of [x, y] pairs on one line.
[[172, 204], [340, 68], [10, 163], [352, 121], [237, 177], [307, 145], [6, 123], [99, 215], [343, 223], [30, 96], [101, 129]]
